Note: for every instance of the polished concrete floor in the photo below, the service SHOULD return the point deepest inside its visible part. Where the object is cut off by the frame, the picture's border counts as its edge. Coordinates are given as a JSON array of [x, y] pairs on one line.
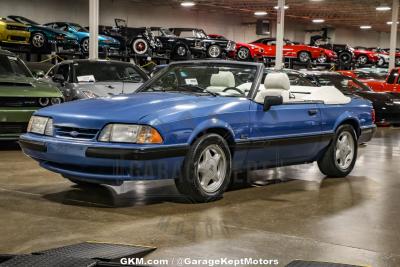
[[290, 213]]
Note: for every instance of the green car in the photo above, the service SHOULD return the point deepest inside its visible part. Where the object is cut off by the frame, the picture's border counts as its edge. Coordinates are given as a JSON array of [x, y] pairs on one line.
[[20, 95]]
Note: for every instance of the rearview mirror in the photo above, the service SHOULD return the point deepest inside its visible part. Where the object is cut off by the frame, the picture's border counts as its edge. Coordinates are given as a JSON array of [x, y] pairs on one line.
[[58, 78], [270, 101]]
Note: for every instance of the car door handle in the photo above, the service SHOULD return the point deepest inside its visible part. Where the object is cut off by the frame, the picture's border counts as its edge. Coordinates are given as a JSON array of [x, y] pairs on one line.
[[312, 112]]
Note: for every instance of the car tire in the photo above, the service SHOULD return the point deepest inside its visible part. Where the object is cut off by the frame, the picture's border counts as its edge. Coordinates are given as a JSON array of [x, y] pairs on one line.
[[140, 46], [38, 40], [304, 57], [322, 59], [345, 57], [85, 45], [362, 59], [341, 155], [243, 54], [381, 62], [214, 51], [181, 52], [206, 171]]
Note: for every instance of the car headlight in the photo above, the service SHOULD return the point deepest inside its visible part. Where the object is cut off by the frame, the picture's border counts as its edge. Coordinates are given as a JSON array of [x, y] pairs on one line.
[[40, 125], [130, 133], [89, 94]]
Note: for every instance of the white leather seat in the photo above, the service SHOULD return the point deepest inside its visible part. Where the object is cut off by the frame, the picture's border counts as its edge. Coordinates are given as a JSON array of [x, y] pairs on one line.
[[220, 81], [275, 84]]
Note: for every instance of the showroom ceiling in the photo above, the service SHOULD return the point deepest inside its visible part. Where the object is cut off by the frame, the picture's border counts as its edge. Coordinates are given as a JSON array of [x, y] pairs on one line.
[[353, 13]]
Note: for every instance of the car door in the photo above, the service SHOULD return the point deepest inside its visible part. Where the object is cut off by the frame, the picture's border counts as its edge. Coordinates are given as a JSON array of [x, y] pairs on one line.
[[392, 81], [285, 134]]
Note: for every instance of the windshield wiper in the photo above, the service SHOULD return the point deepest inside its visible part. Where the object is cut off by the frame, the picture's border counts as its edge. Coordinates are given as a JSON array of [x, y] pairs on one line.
[[198, 89]]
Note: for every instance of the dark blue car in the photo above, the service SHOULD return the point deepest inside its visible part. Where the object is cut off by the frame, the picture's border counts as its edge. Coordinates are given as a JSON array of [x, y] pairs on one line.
[[197, 122]]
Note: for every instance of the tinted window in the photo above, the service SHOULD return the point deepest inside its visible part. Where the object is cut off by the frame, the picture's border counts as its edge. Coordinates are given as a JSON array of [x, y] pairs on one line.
[[10, 65], [108, 71]]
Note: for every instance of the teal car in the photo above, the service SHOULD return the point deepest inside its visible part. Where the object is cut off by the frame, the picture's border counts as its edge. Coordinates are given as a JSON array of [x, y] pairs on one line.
[[45, 38], [106, 43]]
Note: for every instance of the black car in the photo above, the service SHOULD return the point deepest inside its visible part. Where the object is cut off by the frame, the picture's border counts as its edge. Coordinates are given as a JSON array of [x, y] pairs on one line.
[[176, 47], [203, 46], [386, 104]]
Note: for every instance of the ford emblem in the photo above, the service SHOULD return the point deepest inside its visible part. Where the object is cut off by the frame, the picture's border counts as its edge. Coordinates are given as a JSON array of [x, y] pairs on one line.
[[74, 133]]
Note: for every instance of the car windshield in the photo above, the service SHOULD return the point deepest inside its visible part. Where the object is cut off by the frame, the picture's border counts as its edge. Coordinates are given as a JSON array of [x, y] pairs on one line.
[[200, 34], [207, 78], [78, 28], [166, 32], [106, 72], [25, 21], [346, 85], [13, 66]]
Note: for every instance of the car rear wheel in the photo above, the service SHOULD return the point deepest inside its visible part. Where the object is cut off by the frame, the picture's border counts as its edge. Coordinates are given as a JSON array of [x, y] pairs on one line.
[[207, 169], [38, 40], [322, 59], [85, 45], [340, 157], [243, 53], [214, 51], [345, 57], [362, 59], [381, 62], [304, 57], [140, 46], [181, 52]]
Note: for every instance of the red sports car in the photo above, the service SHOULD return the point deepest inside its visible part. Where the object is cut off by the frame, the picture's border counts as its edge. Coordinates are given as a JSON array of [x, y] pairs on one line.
[[243, 51], [303, 53], [365, 56], [391, 84]]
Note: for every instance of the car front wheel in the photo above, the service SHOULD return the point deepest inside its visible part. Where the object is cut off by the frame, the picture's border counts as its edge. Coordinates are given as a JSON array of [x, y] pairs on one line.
[[304, 57], [243, 53], [214, 51], [340, 157], [207, 169], [38, 40], [362, 60]]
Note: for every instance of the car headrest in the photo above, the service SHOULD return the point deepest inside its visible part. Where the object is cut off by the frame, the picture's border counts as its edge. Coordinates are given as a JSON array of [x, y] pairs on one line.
[[277, 80], [223, 79]]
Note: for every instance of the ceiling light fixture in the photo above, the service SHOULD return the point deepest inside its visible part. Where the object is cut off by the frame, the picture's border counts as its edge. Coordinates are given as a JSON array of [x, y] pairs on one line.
[[383, 8], [260, 13], [188, 4], [390, 23], [318, 20], [277, 7], [365, 27]]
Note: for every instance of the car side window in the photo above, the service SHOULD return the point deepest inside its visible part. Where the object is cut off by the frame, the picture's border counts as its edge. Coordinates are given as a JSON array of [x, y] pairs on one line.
[[64, 71], [392, 77], [133, 75]]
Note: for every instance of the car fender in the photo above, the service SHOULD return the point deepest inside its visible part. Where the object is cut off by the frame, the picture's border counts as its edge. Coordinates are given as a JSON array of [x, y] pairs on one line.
[[209, 124], [347, 117]]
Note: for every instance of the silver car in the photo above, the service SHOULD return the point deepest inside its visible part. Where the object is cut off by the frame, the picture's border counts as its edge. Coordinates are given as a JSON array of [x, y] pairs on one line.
[[83, 78]]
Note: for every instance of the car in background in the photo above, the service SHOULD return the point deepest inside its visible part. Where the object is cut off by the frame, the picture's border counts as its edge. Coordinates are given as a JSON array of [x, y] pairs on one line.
[[386, 105], [364, 75], [45, 38], [13, 33], [303, 53], [243, 51], [345, 54], [383, 56], [106, 43], [84, 78], [397, 55], [328, 56], [194, 123], [365, 56], [390, 84], [21, 95], [202, 45], [177, 48]]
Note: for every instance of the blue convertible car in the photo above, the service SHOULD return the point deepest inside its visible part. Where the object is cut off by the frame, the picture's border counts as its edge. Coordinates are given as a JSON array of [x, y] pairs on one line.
[[197, 122]]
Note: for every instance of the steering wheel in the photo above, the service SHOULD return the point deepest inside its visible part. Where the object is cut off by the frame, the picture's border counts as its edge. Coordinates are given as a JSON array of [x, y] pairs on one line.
[[234, 89]]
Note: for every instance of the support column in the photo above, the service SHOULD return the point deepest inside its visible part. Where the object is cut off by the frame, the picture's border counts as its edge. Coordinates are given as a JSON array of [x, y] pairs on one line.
[[393, 34], [280, 26], [94, 29]]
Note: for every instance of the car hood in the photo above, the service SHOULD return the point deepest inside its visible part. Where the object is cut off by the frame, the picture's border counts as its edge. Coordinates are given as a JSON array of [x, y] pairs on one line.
[[58, 32], [143, 108], [107, 89], [15, 86]]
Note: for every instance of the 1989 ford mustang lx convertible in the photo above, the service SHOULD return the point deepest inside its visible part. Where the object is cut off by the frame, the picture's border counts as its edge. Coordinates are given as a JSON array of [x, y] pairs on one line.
[[197, 122]]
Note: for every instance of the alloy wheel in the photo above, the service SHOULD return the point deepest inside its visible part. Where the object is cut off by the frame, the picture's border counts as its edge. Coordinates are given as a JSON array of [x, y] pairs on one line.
[[243, 53], [211, 168], [181, 51], [38, 40], [214, 51], [304, 57], [362, 60], [85, 45], [344, 150]]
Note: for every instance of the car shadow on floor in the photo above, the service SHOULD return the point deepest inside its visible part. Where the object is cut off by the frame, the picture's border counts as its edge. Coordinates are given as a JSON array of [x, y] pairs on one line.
[[9, 146]]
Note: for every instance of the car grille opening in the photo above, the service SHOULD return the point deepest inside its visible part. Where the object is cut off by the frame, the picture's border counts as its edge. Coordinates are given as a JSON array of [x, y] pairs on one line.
[[17, 38], [16, 27], [19, 102], [13, 127], [75, 133]]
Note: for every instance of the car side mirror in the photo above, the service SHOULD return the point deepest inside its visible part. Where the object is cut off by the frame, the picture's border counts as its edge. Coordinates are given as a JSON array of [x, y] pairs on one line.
[[270, 101], [58, 78], [38, 73]]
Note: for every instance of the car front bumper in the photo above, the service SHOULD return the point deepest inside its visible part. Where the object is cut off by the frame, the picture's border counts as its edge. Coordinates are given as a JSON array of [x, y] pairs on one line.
[[15, 37], [14, 121], [89, 160]]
